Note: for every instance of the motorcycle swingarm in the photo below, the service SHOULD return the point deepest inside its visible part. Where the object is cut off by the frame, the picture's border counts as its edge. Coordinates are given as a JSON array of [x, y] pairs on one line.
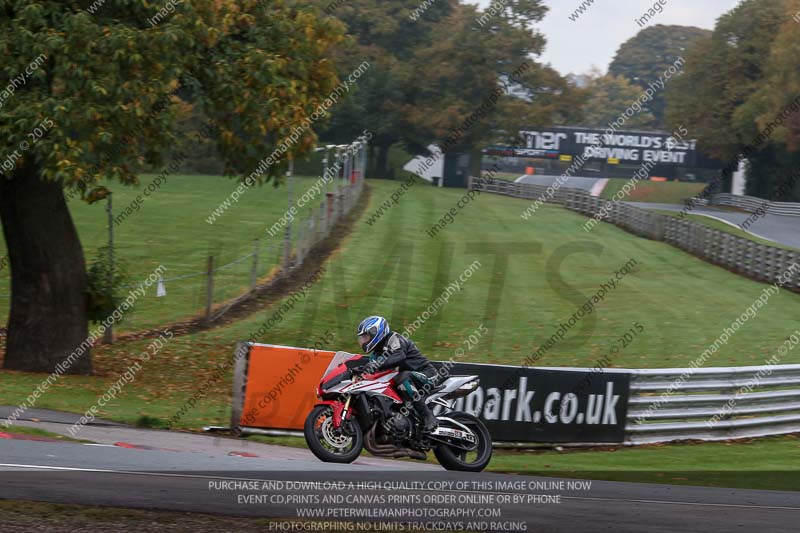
[[447, 434]]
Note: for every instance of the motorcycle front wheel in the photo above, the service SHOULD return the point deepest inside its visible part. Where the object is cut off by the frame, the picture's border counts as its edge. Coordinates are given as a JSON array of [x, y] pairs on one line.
[[329, 444], [453, 458]]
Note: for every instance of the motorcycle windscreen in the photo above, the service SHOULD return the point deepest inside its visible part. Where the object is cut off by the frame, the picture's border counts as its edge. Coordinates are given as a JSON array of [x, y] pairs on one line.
[[338, 359]]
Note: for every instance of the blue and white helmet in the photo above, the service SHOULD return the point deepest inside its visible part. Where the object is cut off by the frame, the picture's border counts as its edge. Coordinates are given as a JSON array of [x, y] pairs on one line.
[[372, 331]]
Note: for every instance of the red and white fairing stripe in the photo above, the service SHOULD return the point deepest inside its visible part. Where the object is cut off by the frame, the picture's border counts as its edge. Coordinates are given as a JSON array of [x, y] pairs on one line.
[[381, 385]]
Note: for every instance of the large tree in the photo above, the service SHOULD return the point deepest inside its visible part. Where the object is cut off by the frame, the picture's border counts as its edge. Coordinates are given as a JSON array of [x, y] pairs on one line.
[[388, 35], [607, 96], [435, 72], [774, 170], [723, 72], [482, 82], [642, 59], [96, 107]]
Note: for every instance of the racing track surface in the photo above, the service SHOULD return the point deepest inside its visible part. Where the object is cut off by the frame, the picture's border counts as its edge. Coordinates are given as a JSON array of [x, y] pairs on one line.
[[776, 228], [189, 472], [573, 182]]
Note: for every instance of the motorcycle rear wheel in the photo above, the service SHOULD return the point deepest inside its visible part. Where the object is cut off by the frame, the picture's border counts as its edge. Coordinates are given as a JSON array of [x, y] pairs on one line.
[[327, 443], [463, 461]]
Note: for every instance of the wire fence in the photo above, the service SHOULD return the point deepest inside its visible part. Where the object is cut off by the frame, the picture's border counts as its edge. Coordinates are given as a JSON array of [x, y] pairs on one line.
[[207, 287]]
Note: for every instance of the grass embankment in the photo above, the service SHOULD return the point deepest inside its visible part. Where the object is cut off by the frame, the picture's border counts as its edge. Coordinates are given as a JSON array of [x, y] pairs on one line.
[[661, 192], [170, 228]]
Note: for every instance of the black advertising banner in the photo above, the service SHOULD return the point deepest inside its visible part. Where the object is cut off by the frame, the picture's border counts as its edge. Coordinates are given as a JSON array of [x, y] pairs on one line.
[[628, 147], [535, 405]]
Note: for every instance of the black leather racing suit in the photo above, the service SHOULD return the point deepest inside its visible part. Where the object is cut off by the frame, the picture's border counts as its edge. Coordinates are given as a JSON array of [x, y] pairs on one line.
[[417, 375]]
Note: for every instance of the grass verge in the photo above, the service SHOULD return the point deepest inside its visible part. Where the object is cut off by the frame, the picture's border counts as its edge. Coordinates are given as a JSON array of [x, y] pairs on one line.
[[26, 515], [505, 176], [35, 432], [771, 463], [661, 192]]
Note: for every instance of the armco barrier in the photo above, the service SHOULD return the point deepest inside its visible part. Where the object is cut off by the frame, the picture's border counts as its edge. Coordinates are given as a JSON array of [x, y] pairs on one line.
[[753, 205], [275, 388], [713, 403]]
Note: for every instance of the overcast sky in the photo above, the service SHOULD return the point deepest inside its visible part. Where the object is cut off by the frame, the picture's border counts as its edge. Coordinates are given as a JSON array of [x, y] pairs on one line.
[[594, 38]]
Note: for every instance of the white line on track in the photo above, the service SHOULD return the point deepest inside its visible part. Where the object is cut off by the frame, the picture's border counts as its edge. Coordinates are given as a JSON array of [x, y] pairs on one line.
[[195, 476]]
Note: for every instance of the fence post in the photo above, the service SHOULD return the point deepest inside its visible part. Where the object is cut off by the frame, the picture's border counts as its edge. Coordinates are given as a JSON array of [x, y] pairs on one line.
[[287, 236], [254, 268], [108, 338], [209, 287], [342, 196]]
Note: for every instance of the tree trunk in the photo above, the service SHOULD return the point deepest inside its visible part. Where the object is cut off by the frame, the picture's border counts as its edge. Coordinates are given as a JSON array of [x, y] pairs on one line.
[[475, 162], [381, 162], [47, 325]]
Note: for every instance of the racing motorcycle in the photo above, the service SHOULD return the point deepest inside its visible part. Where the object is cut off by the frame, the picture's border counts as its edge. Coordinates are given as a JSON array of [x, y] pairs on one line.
[[367, 412]]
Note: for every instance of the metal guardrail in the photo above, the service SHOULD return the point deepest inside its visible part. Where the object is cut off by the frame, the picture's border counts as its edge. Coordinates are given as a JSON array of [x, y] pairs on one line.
[[753, 205], [690, 404], [679, 404]]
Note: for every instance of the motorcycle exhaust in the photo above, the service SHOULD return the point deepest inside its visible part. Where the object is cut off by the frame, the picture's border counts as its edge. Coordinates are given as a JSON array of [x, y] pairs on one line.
[[388, 450]]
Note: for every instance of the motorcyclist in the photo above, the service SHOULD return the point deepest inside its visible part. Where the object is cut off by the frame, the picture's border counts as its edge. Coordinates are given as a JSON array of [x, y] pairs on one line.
[[390, 349]]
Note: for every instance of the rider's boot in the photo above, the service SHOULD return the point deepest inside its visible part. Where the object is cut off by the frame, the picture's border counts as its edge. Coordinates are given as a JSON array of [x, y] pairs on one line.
[[430, 423]]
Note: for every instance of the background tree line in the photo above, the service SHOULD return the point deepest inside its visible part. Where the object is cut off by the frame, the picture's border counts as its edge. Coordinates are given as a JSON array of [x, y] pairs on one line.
[[430, 73]]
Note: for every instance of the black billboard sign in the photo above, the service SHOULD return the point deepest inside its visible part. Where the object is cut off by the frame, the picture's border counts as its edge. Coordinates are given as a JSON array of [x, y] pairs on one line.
[[536, 405], [625, 147]]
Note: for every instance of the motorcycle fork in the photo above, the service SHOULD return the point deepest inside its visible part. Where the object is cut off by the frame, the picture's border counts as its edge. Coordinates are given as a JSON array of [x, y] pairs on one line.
[[340, 412], [345, 414], [346, 409]]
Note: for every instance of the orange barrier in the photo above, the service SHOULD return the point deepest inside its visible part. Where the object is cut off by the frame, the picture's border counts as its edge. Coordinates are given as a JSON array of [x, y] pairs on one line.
[[274, 389], [530, 171], [280, 385]]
